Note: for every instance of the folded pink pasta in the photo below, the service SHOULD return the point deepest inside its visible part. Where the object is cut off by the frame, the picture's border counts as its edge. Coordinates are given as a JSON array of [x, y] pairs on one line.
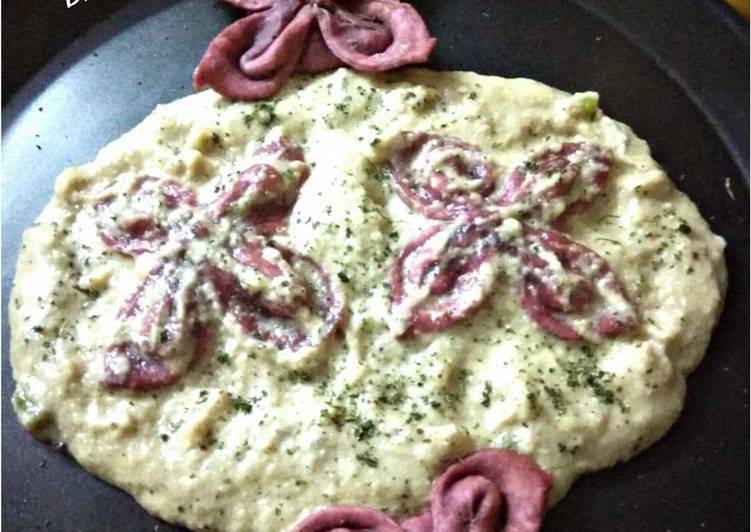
[[494, 490], [253, 57]]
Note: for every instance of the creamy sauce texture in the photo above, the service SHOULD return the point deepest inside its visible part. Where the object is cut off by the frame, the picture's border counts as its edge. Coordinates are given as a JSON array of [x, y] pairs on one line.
[[253, 438]]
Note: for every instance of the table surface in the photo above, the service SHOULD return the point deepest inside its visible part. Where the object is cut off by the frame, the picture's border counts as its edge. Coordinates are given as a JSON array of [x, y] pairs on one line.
[[741, 6]]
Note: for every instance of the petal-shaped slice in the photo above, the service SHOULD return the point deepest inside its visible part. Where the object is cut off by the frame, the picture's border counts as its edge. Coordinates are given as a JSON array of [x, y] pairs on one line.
[[266, 191], [127, 367], [441, 177], [142, 235], [443, 277], [410, 40], [278, 296], [259, 188], [283, 291], [132, 221], [471, 494], [556, 183], [570, 291], [263, 76], [347, 519], [160, 336]]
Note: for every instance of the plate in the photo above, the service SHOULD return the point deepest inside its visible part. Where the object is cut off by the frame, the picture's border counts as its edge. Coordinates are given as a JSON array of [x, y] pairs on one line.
[[675, 70]]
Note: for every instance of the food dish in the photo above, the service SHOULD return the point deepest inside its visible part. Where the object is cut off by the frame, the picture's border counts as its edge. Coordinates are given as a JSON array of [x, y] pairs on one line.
[[551, 113], [617, 50]]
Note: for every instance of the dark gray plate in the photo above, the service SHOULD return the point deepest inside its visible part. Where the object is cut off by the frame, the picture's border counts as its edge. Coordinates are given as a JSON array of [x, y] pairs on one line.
[[676, 70]]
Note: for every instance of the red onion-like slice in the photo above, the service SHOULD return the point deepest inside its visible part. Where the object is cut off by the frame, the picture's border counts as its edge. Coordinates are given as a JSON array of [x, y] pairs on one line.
[[347, 519], [556, 183], [570, 291], [444, 276], [410, 40], [140, 232], [442, 177], [166, 336], [471, 494]]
